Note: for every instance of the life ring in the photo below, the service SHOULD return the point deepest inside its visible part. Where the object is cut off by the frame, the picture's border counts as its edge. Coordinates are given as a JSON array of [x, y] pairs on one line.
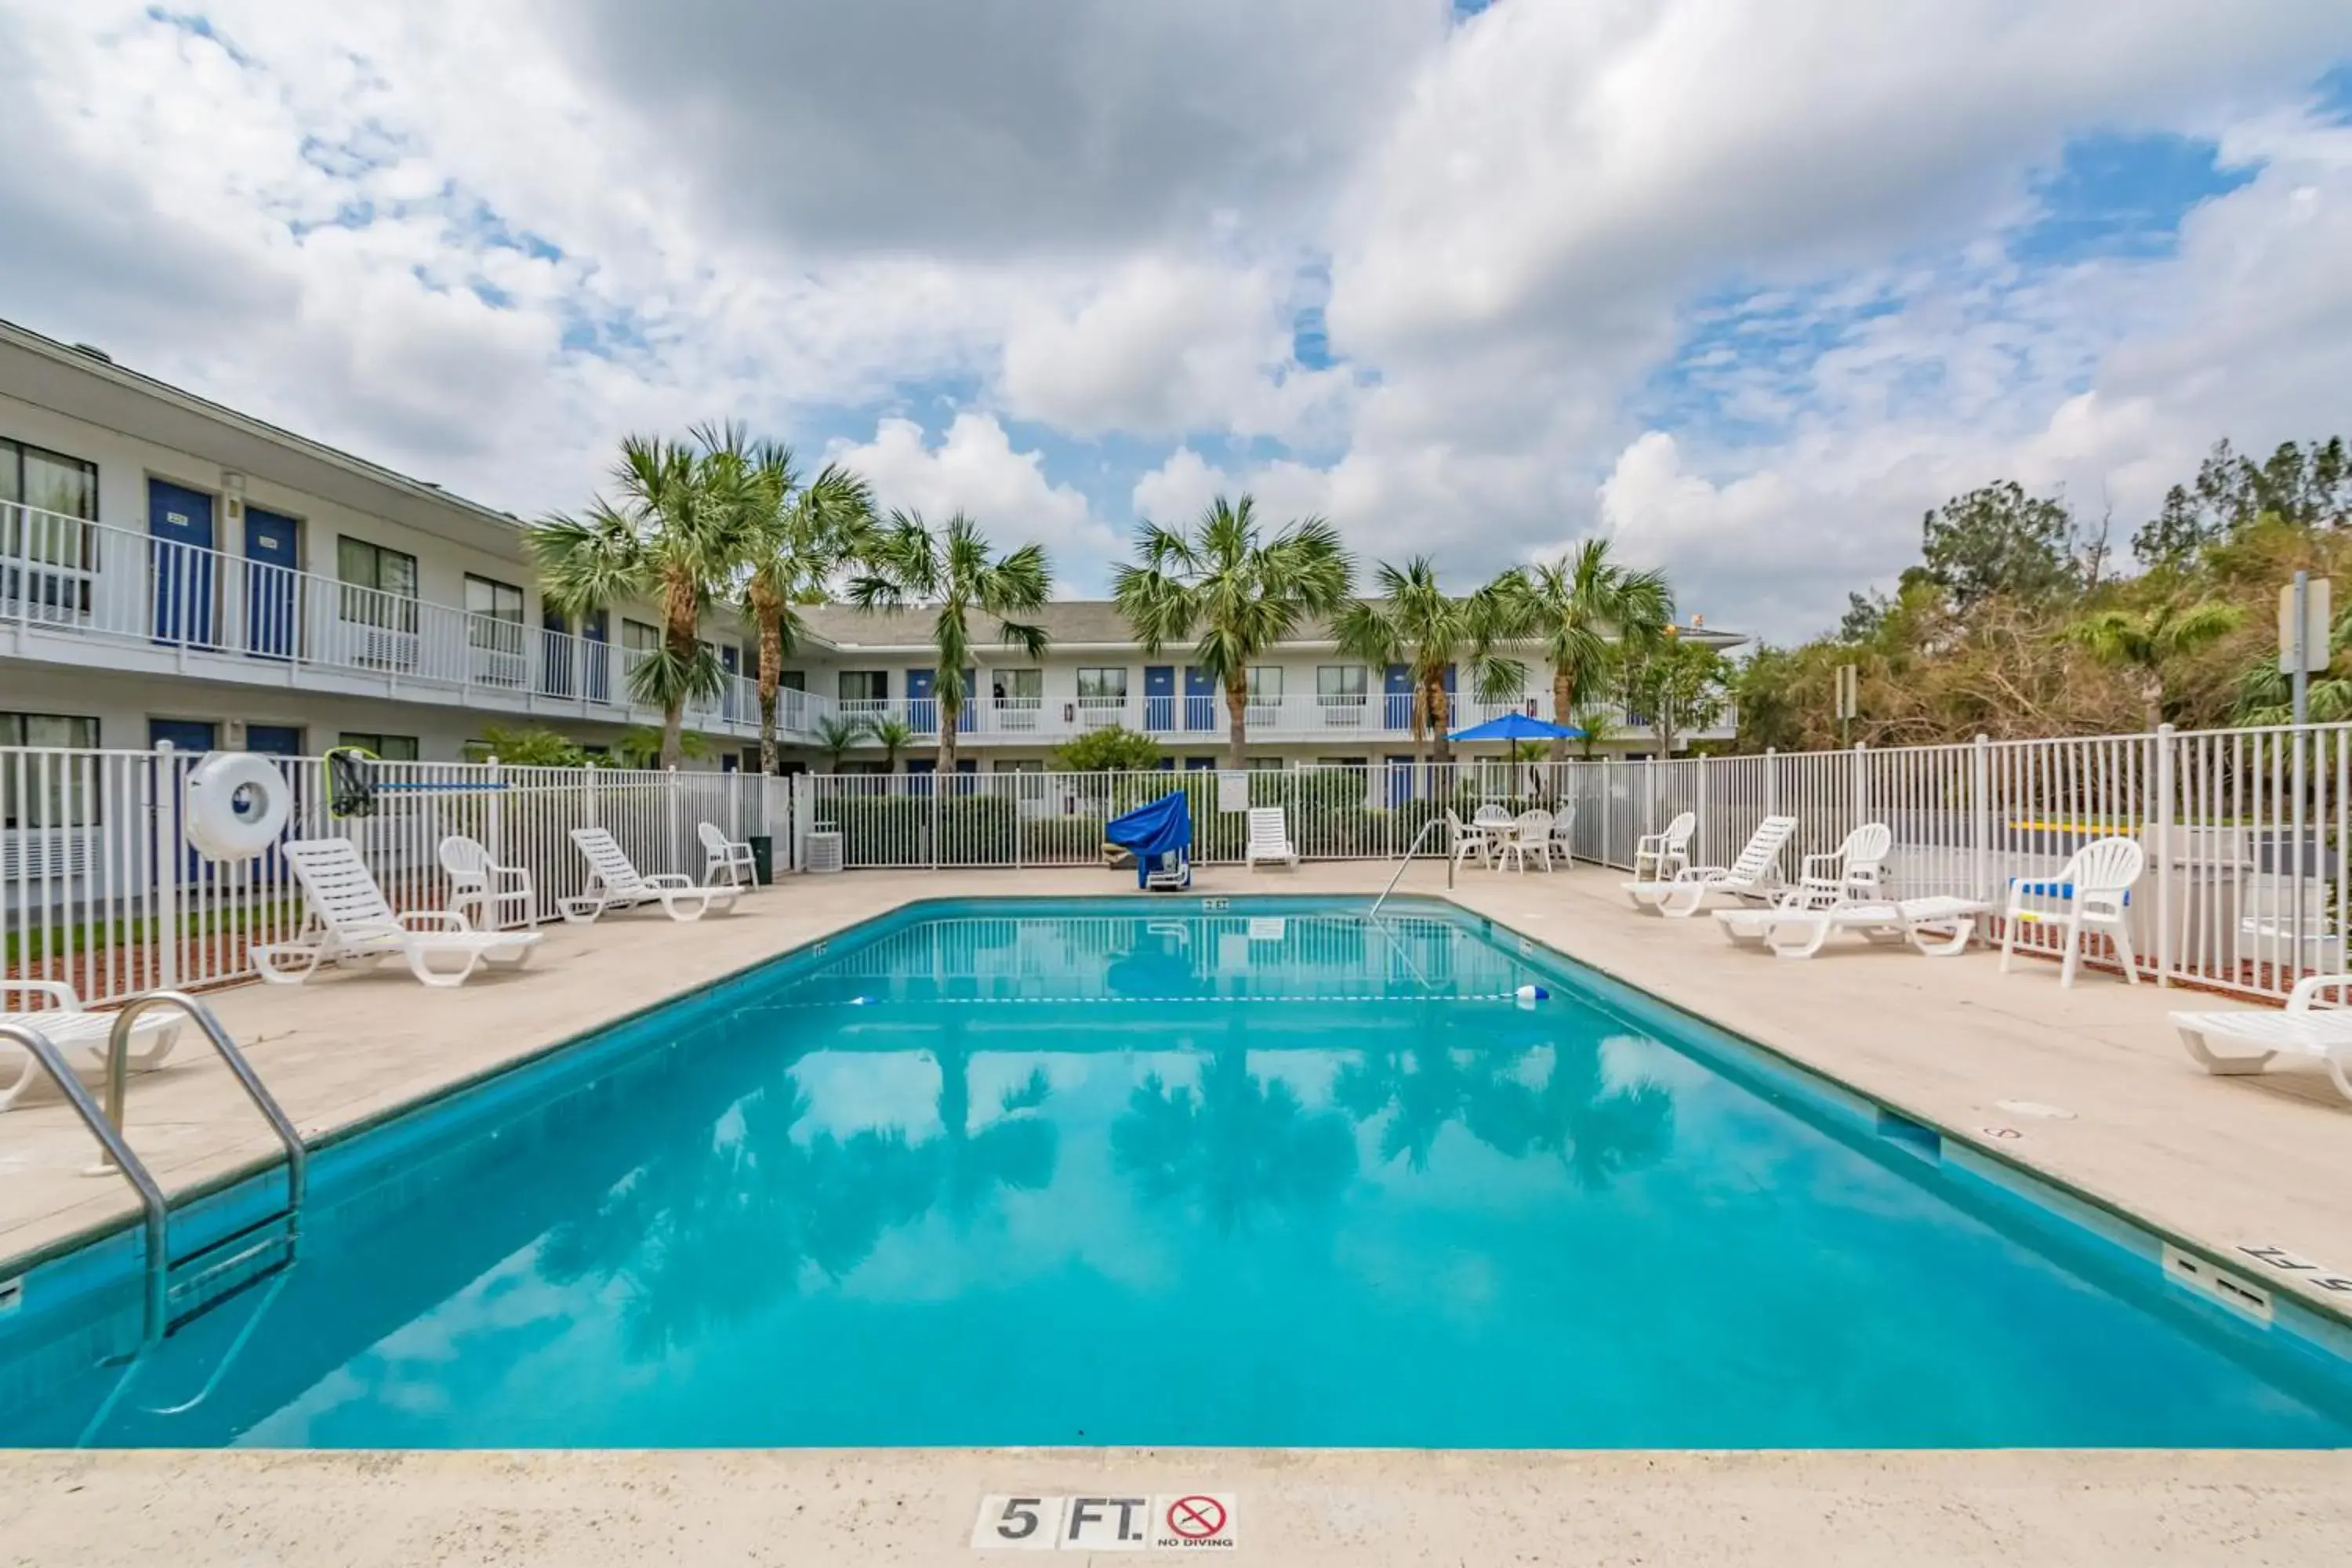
[[237, 805]]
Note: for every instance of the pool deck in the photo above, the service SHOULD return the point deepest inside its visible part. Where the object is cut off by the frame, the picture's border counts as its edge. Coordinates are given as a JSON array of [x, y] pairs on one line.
[[2224, 1162]]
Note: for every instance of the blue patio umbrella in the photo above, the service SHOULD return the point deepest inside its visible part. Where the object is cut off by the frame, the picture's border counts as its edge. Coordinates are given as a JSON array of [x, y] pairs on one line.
[[1519, 727]]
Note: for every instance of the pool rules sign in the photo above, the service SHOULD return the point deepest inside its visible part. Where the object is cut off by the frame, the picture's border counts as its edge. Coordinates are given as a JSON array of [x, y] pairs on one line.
[[1174, 1521]]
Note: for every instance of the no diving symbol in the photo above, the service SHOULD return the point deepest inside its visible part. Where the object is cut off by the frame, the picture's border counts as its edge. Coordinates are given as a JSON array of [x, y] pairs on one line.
[[1196, 1518]]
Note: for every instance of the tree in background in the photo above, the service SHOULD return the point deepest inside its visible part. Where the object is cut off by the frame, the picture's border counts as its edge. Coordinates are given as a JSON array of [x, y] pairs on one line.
[[837, 735], [952, 571], [1235, 591], [1999, 541], [1598, 720], [1114, 748], [802, 536], [1677, 686], [2145, 642], [675, 533], [893, 735], [531, 748], [1574, 608], [644, 748], [1415, 623]]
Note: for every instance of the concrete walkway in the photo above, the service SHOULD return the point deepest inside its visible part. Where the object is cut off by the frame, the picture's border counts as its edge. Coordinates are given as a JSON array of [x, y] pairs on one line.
[[2225, 1163]]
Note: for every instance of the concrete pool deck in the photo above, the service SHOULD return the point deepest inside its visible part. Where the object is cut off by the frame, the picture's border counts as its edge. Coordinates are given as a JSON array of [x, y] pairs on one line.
[[2223, 1162]]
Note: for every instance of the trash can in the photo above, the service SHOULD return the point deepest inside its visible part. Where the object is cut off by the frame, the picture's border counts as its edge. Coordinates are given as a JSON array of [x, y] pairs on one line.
[[763, 858]]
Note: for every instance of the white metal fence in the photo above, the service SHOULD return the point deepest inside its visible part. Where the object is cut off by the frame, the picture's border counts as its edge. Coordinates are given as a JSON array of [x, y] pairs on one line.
[[2245, 832], [99, 888]]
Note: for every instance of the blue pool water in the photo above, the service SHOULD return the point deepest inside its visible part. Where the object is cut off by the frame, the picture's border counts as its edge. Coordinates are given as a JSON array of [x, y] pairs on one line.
[[1146, 1173]]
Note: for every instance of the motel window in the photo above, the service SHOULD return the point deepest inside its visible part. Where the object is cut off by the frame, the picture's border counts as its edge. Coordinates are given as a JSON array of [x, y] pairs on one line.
[[67, 488], [1339, 685], [1102, 683], [46, 792], [493, 600], [391, 748], [1266, 683], [379, 585], [636, 638], [864, 686], [1023, 687]]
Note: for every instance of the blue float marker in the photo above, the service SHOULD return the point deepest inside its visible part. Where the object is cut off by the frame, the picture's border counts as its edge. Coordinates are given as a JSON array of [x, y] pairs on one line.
[[1532, 994]]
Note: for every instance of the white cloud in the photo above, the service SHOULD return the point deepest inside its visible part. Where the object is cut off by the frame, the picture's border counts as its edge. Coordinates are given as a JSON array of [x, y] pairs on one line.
[[974, 470]]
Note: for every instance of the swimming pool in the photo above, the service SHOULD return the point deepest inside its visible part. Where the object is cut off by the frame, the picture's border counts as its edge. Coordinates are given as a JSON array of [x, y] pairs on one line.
[[1028, 1172]]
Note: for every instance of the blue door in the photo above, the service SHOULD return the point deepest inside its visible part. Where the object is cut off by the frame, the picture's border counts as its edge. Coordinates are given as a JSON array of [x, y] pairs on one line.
[[272, 555], [271, 740], [970, 706], [555, 653], [1159, 696], [187, 736], [922, 705], [597, 679], [1396, 699], [180, 526], [1453, 713], [1199, 765], [1399, 781], [1199, 698]]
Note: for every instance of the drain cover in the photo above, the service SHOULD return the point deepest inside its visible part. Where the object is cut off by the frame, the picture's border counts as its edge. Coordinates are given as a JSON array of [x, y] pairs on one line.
[[2035, 1108]]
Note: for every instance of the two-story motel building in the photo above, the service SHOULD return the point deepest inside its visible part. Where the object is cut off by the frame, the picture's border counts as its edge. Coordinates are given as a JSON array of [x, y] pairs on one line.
[[171, 570]]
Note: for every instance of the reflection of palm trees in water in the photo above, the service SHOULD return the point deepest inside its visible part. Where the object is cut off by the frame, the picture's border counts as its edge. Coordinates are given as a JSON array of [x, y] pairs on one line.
[[1597, 1131], [714, 1231], [1237, 1144]]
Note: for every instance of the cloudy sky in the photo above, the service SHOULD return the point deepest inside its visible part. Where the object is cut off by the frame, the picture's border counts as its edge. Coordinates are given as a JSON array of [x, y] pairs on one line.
[[1747, 286]]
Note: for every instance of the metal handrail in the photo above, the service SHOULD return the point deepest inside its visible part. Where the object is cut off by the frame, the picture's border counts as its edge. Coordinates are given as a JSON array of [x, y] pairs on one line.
[[151, 1196], [1404, 863], [118, 1055]]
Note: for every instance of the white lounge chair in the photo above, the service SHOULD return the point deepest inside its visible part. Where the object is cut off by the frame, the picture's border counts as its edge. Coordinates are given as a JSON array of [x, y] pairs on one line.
[[2095, 893], [1661, 855], [1269, 839], [491, 896], [1849, 873], [349, 922], [1755, 875], [80, 1036], [725, 857], [1793, 928], [1530, 835], [614, 883], [2302, 1031]]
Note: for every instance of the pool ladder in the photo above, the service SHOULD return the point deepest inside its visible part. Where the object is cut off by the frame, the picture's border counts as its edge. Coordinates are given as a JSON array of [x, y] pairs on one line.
[[1404, 863], [169, 1282]]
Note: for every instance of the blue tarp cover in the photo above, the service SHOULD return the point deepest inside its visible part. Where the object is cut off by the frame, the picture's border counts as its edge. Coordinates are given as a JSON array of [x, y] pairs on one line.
[[1163, 827]]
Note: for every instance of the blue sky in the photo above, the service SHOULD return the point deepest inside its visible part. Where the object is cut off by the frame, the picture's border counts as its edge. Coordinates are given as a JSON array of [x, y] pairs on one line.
[[1746, 292]]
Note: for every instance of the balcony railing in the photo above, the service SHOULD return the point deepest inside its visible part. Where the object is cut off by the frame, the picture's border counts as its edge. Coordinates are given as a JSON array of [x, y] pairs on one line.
[[64, 574]]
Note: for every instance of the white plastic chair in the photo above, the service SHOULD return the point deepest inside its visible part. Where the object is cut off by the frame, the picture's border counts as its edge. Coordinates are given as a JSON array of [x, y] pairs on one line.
[[80, 1035], [725, 857], [1269, 839], [1469, 841], [1530, 835], [1755, 875], [1853, 870], [350, 921], [2304, 1030], [1665, 854], [1562, 840], [2095, 891], [615, 883], [491, 896]]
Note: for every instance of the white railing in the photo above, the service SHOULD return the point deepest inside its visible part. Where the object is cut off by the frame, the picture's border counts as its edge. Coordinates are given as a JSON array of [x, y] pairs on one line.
[[251, 620], [1198, 722], [99, 888]]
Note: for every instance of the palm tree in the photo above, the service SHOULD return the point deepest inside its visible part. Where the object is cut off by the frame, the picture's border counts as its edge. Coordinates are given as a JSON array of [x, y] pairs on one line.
[[1241, 594], [893, 735], [953, 568], [1573, 608], [1598, 720], [2143, 642], [1417, 624], [836, 733], [675, 533], [801, 534]]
